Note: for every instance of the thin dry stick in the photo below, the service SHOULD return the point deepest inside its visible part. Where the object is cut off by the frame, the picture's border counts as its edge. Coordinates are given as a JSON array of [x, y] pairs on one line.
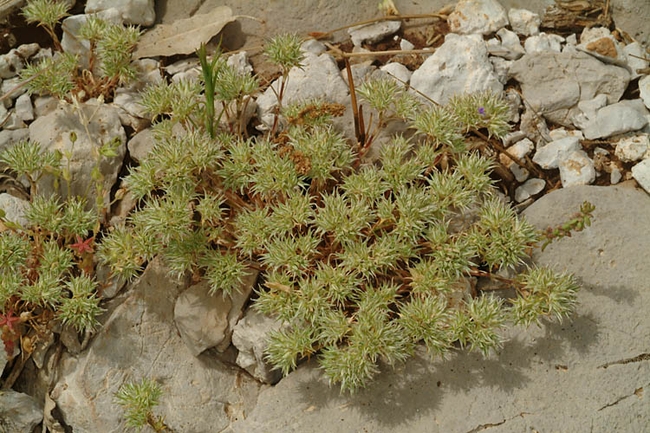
[[387, 52], [321, 35], [358, 128], [21, 85], [337, 52]]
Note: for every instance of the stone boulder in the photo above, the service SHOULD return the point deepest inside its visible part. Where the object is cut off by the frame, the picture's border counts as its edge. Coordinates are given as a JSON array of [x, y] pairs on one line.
[[139, 340], [554, 83], [53, 132], [460, 65]]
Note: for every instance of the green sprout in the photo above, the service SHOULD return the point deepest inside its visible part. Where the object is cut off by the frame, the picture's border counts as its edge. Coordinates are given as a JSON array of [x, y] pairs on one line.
[[62, 76], [138, 400], [46, 13]]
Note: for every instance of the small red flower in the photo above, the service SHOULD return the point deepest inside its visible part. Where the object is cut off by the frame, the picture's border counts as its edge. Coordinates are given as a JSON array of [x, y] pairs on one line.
[[8, 320], [83, 246]]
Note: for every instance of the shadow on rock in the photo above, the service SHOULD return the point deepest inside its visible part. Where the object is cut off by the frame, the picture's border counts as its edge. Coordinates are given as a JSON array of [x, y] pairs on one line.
[[618, 294], [419, 387], [394, 397], [551, 341]]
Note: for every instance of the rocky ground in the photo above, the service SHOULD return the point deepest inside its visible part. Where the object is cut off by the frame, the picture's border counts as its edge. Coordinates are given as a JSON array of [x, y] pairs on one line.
[[580, 105]]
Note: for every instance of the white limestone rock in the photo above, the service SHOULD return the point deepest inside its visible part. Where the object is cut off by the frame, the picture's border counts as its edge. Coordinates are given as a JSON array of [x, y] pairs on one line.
[[360, 72], [141, 144], [14, 209], [4, 115], [42, 54], [641, 173], [15, 87], [27, 51], [24, 108], [241, 64], [44, 105], [510, 40], [13, 122], [576, 168], [19, 413], [543, 42], [53, 133], [9, 138], [375, 32], [528, 189], [587, 110], [201, 319], [501, 68], [318, 77], [519, 150], [512, 137], [460, 65], [22, 112], [128, 99], [534, 126], [477, 16], [599, 42], [554, 83], [73, 44], [524, 22], [112, 283], [632, 148], [406, 45], [10, 64], [148, 72], [550, 155], [506, 45], [138, 339], [635, 56], [250, 338], [182, 66], [570, 44], [559, 133], [137, 12], [121, 210], [14, 61], [206, 320], [131, 112], [513, 98], [619, 118], [520, 173], [644, 90], [397, 70], [312, 46]]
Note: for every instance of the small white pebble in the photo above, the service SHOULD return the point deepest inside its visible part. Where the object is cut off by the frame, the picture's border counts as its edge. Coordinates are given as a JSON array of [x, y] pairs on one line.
[[406, 45]]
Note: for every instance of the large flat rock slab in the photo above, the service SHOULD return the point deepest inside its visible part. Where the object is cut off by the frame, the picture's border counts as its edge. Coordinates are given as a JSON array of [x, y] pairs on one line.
[[588, 374]]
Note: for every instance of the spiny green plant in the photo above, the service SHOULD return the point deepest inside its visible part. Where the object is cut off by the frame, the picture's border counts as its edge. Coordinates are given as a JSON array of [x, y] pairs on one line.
[[47, 268], [47, 14], [139, 400], [284, 51], [62, 76], [361, 261]]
